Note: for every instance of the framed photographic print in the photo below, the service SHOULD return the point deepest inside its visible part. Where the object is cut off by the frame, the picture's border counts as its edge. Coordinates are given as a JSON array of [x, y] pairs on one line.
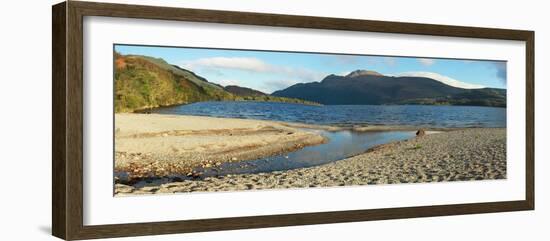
[[171, 120]]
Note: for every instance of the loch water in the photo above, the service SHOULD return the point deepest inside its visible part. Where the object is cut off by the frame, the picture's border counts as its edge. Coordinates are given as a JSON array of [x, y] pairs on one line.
[[342, 115]]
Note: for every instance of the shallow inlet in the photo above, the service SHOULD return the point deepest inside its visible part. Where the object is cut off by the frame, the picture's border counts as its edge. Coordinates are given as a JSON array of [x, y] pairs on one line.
[[340, 145]]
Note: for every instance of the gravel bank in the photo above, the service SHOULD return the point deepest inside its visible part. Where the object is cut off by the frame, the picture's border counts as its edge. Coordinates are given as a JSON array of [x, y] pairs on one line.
[[461, 155]]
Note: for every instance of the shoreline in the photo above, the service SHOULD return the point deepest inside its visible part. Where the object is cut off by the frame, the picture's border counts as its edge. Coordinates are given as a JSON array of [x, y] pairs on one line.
[[374, 127], [144, 149], [147, 109], [441, 157], [157, 145]]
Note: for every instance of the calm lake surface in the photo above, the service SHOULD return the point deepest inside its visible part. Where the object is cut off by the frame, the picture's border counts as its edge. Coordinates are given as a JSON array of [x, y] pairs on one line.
[[416, 115]]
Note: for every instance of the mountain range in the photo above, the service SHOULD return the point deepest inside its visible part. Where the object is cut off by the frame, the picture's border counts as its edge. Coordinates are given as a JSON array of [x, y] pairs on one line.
[[143, 82], [364, 87]]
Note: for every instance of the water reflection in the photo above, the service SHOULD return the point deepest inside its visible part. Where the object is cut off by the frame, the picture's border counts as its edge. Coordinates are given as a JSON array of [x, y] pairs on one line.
[[341, 144]]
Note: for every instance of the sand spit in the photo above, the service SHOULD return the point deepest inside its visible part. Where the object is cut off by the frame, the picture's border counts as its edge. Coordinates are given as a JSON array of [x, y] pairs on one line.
[[149, 145]]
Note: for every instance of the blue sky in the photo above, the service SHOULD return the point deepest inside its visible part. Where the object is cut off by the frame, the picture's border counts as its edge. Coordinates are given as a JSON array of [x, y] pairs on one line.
[[269, 71]]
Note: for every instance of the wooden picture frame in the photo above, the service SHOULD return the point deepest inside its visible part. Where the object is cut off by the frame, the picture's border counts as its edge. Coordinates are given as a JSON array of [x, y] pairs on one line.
[[67, 122]]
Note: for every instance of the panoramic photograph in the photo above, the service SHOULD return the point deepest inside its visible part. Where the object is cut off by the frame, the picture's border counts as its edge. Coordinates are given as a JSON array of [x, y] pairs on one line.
[[210, 120]]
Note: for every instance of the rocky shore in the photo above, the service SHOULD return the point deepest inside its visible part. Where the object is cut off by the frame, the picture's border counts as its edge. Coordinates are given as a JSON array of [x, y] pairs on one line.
[[459, 155]]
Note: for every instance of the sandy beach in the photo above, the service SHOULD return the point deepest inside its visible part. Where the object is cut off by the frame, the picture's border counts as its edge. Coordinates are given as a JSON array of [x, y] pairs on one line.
[[152, 145]]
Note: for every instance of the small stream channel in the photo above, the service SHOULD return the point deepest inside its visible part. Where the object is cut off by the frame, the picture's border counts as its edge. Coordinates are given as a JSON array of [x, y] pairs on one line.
[[340, 145]]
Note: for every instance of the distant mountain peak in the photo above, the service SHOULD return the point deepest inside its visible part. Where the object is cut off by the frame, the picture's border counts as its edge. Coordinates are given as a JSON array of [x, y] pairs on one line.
[[362, 72], [364, 87]]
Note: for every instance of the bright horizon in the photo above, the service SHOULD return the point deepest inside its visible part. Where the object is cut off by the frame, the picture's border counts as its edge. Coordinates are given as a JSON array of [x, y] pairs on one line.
[[268, 71]]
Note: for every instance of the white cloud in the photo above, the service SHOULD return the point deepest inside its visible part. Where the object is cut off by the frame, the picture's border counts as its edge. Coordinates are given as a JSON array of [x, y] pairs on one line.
[[344, 73], [226, 82], [240, 63], [303, 74], [291, 75], [426, 62], [443, 79], [274, 85]]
